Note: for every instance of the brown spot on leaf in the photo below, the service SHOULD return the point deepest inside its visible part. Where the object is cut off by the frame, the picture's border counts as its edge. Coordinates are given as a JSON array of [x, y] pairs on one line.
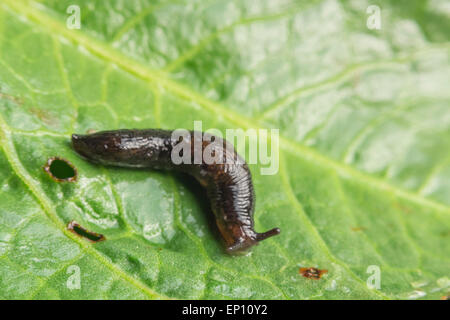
[[403, 208], [445, 233], [16, 100], [356, 79], [61, 170], [358, 228], [84, 233], [312, 273], [44, 116]]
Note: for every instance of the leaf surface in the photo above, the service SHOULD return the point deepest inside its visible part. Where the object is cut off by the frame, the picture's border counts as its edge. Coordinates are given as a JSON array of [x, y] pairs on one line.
[[364, 126]]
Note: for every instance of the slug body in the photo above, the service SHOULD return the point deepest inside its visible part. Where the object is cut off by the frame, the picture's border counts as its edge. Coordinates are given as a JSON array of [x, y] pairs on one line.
[[228, 181]]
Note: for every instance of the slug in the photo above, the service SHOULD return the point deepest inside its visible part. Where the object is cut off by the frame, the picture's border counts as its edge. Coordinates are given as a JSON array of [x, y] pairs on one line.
[[228, 182]]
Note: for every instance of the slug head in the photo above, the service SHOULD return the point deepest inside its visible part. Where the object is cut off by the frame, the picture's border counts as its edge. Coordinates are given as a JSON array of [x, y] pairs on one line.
[[113, 148], [97, 147], [239, 239]]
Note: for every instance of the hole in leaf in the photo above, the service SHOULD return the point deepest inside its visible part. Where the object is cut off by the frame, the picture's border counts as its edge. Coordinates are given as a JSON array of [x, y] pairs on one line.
[[61, 170], [84, 233]]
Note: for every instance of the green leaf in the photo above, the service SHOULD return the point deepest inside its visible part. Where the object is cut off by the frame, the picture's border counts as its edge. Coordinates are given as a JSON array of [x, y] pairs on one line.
[[364, 147]]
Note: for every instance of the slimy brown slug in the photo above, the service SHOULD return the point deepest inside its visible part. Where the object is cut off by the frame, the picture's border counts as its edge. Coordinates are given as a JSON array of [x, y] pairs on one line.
[[227, 178]]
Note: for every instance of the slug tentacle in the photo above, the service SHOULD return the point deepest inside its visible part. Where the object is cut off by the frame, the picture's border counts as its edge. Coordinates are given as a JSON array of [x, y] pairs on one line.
[[227, 180], [267, 234]]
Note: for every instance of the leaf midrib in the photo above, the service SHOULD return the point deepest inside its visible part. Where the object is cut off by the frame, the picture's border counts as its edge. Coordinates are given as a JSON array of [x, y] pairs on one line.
[[155, 76]]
